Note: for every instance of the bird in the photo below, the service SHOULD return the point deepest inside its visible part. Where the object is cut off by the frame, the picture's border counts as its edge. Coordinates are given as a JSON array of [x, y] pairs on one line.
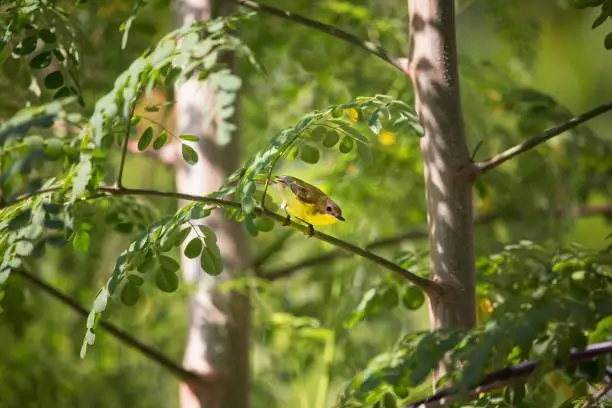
[[307, 203]]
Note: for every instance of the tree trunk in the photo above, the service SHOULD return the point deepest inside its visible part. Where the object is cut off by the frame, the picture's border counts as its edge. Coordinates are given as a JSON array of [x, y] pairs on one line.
[[448, 168], [218, 338]]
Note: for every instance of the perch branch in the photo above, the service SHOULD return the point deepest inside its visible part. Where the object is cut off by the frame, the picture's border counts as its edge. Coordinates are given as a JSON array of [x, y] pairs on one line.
[[116, 332], [491, 163], [398, 63], [427, 285], [417, 233], [503, 377]]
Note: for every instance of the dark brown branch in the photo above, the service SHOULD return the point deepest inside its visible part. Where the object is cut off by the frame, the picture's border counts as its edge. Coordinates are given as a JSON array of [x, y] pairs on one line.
[[368, 46], [597, 396], [420, 232], [491, 163], [417, 233], [116, 332], [503, 377], [428, 286]]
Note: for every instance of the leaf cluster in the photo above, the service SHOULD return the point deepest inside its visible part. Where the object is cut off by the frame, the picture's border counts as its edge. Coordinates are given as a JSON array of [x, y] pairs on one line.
[[545, 304]]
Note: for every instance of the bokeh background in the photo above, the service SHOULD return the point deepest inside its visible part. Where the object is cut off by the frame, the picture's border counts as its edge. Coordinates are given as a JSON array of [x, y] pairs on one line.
[[303, 353]]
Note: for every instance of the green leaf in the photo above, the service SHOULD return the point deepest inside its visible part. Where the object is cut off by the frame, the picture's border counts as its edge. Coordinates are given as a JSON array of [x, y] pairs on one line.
[[21, 220], [346, 145], [168, 263], [514, 394], [194, 248], [24, 248], [189, 154], [211, 261], [145, 139], [58, 54], [130, 294], [309, 154], [264, 224], [148, 264], [47, 36], [331, 138], [608, 41], [190, 40], [181, 236], [81, 240], [413, 298], [587, 3], [189, 138], [166, 280], [600, 19], [173, 75], [54, 80], [230, 82], [57, 241], [64, 92], [249, 222], [135, 279], [26, 46], [161, 140], [41, 61]]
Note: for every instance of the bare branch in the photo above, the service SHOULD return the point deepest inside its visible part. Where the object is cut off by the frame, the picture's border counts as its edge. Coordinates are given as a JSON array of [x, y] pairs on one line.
[[116, 332], [398, 63], [428, 286], [491, 163], [417, 233], [503, 377], [597, 396]]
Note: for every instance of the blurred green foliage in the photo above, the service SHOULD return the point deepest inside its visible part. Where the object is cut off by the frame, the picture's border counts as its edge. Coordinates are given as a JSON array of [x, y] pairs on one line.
[[524, 66]]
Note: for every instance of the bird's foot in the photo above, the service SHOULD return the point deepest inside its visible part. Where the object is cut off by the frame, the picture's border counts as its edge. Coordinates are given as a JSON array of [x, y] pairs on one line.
[[287, 221], [311, 231]]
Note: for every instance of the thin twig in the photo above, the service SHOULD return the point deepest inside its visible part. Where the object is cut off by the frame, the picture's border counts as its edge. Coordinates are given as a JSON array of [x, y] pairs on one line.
[[428, 286], [368, 46], [504, 376], [491, 163], [597, 396], [125, 146], [417, 233], [116, 332]]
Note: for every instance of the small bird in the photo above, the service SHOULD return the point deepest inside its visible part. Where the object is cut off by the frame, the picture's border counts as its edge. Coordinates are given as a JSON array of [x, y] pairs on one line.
[[307, 203]]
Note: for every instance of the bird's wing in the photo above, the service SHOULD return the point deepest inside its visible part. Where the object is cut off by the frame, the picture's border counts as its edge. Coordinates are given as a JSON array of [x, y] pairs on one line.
[[304, 191]]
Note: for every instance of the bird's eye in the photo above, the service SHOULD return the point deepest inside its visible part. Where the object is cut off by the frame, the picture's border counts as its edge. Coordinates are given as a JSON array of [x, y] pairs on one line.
[[328, 208]]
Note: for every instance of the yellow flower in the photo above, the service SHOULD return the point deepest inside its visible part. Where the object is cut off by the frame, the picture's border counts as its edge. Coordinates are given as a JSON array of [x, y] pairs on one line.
[[484, 307], [386, 138]]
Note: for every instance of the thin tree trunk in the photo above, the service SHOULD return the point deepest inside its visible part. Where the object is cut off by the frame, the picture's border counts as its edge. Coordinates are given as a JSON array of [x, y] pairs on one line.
[[448, 168], [218, 338]]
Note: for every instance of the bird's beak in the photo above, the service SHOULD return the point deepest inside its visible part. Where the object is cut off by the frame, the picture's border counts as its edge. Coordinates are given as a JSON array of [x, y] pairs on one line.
[[341, 218]]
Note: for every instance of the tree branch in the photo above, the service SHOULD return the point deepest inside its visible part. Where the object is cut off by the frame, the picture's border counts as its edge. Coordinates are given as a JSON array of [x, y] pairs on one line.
[[597, 396], [398, 63], [428, 286], [119, 334], [503, 377], [491, 163], [417, 233]]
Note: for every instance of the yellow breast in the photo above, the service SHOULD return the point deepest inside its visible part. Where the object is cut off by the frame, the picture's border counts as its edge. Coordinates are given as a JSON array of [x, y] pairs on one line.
[[307, 212]]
